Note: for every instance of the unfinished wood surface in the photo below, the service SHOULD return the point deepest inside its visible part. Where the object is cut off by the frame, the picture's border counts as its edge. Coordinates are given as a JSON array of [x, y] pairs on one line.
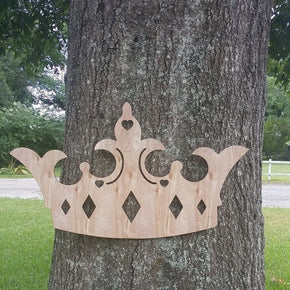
[[131, 203]]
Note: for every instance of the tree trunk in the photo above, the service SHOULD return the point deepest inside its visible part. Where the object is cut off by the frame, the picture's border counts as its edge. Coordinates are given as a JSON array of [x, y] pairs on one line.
[[194, 73]]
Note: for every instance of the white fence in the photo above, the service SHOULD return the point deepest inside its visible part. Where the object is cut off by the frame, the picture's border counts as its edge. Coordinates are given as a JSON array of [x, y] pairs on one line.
[[270, 173]]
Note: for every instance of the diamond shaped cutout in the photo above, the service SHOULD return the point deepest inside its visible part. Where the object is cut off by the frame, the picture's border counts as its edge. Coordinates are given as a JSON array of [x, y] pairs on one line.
[[65, 206], [131, 206], [89, 206], [201, 206], [176, 206]]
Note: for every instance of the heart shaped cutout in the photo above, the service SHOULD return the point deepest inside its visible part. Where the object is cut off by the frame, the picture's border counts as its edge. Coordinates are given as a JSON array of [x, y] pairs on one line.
[[164, 182], [99, 183], [127, 124]]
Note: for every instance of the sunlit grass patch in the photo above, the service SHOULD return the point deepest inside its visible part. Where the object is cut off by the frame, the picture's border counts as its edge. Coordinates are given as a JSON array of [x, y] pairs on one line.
[[277, 250], [3, 174], [26, 240], [277, 168]]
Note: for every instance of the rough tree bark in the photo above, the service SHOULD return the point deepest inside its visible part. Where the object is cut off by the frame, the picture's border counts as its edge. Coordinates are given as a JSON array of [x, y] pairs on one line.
[[194, 73]]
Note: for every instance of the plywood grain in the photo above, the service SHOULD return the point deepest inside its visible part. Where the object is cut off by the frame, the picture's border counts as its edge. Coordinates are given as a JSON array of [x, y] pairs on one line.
[[157, 206]]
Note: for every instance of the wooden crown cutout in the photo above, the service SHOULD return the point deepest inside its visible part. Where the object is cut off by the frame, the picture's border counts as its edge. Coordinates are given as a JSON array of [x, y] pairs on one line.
[[130, 202]]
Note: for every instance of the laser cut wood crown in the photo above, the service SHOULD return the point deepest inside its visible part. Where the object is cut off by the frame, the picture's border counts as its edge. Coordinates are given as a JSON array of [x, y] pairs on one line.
[[131, 203]]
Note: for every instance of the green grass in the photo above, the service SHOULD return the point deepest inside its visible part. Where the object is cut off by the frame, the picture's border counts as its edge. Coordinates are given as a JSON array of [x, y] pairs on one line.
[[26, 241], [277, 168], [16, 176], [57, 173], [277, 251]]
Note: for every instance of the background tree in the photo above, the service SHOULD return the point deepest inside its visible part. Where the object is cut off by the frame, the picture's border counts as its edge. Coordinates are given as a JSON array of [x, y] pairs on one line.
[[50, 91], [35, 31], [38, 31], [24, 127], [32, 37], [277, 120], [25, 119], [195, 74], [14, 82], [279, 49]]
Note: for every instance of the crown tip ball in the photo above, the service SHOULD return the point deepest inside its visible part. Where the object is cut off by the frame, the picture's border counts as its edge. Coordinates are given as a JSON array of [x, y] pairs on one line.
[[127, 109], [176, 166], [84, 167]]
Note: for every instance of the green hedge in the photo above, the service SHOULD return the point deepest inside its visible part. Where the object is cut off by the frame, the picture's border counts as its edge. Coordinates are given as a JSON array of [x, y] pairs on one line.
[[24, 127]]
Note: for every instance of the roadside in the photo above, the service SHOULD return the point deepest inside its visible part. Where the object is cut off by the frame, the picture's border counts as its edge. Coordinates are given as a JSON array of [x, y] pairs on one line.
[[274, 195], [25, 188]]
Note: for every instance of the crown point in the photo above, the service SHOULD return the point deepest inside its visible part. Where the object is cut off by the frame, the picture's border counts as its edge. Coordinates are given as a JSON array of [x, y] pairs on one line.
[[127, 109], [176, 166], [84, 167]]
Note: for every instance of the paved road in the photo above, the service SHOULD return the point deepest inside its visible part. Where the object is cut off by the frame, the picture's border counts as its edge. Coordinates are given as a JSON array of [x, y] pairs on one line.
[[20, 188], [274, 195], [277, 195]]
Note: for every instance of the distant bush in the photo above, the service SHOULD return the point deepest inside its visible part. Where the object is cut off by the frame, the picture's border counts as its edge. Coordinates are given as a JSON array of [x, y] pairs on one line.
[[19, 170], [24, 127], [277, 120]]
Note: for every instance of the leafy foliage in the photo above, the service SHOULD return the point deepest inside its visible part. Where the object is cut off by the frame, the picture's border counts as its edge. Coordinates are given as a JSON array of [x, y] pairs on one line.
[[19, 170], [24, 127], [13, 82], [35, 31], [17, 86], [51, 92], [277, 129], [279, 49], [5, 92]]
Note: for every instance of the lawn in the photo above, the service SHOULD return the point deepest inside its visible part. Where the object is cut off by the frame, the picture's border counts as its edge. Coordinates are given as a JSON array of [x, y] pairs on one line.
[[277, 252], [26, 240], [57, 173], [277, 168]]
